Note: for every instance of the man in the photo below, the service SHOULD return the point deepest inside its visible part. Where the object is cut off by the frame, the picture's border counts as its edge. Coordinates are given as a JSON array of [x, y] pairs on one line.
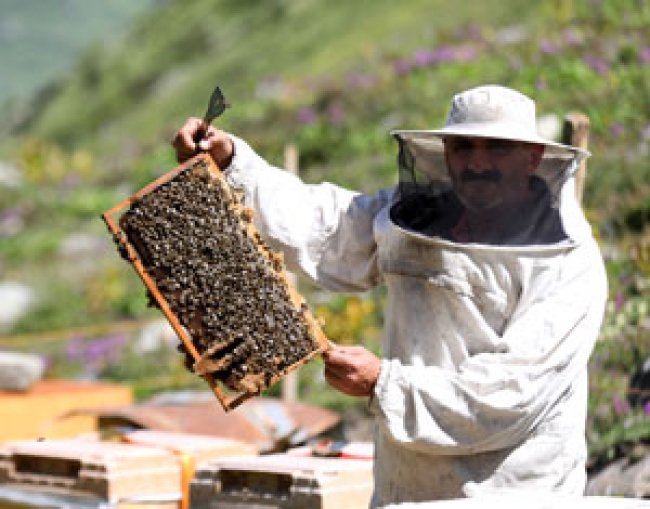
[[496, 292]]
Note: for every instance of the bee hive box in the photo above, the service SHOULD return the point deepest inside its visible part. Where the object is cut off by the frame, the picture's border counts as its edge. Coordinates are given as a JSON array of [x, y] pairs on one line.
[[281, 481], [223, 290], [111, 471]]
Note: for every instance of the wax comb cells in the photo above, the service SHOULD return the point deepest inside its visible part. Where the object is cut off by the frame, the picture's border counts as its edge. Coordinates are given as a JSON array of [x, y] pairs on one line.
[[226, 287]]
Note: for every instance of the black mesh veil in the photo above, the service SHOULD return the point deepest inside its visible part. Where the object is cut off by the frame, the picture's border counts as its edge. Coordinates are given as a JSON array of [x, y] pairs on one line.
[[431, 202]]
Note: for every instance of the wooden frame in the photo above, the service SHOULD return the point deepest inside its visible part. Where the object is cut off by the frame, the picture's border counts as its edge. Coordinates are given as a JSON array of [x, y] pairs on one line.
[[111, 218]]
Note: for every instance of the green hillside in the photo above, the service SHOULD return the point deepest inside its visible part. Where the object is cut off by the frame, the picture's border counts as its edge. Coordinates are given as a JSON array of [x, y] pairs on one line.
[[42, 39], [273, 58], [333, 77]]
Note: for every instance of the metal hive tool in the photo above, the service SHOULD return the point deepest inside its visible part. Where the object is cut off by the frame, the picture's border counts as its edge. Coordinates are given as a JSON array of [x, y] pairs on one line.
[[222, 289]]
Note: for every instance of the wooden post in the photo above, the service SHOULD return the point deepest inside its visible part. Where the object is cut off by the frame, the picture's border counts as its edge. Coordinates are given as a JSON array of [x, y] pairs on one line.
[[575, 132], [290, 381]]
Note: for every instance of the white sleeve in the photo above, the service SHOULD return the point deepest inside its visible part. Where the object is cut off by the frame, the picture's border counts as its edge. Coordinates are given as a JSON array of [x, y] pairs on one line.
[[325, 232], [495, 400]]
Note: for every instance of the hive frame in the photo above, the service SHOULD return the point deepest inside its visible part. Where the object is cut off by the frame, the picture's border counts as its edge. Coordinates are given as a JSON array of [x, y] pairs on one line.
[[227, 400]]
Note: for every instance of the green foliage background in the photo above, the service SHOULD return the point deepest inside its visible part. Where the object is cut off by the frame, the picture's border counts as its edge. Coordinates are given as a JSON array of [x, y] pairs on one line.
[[42, 39], [333, 77]]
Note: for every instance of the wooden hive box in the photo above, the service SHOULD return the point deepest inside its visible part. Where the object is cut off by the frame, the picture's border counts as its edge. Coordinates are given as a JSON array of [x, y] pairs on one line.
[[110, 471], [40, 411], [223, 290], [283, 481], [152, 466]]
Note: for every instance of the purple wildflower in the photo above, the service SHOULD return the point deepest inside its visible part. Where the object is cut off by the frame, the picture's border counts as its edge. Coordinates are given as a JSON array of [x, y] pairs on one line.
[[621, 406], [108, 349], [11, 214], [644, 55], [597, 64], [572, 37], [361, 80], [402, 66], [548, 47], [424, 58], [306, 115], [74, 349], [94, 354], [11, 221], [619, 301], [646, 408], [617, 129], [336, 112], [428, 57], [466, 54], [48, 362], [445, 54]]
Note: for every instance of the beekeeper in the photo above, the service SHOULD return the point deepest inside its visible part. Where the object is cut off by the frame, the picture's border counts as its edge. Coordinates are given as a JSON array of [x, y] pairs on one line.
[[496, 291]]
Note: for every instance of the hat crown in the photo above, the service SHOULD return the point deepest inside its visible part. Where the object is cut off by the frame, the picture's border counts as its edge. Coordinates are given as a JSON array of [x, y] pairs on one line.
[[493, 104]]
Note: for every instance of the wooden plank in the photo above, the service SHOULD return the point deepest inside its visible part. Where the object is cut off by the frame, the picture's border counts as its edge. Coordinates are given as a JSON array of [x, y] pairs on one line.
[[575, 132]]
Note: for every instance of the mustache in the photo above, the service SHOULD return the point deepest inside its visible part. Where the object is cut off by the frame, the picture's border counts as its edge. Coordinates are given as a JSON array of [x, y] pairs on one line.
[[480, 176]]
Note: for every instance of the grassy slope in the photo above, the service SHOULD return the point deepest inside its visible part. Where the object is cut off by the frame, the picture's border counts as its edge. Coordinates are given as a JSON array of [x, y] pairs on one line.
[[167, 67], [129, 101], [41, 40]]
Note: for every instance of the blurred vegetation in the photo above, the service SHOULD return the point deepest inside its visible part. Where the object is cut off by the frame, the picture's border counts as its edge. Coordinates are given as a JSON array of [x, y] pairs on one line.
[[38, 42], [333, 77]]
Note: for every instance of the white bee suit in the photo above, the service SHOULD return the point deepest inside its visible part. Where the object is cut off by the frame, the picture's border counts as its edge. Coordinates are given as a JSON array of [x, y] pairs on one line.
[[483, 381]]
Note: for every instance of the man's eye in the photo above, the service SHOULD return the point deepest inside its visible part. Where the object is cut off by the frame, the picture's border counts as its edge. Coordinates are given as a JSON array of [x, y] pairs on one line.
[[501, 147]]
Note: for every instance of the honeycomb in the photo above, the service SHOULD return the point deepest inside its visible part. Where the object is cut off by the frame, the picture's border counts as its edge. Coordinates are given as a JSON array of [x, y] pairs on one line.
[[227, 289]]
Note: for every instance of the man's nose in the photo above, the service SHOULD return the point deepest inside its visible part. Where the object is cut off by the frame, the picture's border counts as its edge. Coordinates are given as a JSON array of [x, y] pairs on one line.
[[479, 159]]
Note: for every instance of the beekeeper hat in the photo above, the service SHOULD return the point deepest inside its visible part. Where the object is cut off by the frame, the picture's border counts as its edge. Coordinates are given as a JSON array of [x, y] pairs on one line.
[[492, 111]]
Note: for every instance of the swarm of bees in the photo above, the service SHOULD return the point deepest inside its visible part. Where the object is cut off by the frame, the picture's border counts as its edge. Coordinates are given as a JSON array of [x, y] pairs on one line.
[[226, 287]]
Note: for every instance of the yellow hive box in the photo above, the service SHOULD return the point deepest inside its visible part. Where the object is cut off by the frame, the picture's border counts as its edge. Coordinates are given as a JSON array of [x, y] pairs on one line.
[[37, 413]]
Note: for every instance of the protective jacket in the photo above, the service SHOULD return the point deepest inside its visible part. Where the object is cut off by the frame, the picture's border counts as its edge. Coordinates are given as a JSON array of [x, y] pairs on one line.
[[483, 381]]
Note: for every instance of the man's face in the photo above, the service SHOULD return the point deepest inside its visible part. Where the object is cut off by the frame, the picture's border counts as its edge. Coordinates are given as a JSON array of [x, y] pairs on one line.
[[489, 172]]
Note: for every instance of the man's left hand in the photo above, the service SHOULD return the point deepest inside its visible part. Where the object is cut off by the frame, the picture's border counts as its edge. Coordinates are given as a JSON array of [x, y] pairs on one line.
[[352, 370]]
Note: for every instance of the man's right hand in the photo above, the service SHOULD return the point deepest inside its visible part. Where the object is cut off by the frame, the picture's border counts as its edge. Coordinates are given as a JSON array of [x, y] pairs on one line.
[[353, 370], [193, 138]]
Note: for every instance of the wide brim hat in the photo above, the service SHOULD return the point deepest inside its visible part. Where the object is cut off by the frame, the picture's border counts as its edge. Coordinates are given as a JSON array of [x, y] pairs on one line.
[[491, 111]]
